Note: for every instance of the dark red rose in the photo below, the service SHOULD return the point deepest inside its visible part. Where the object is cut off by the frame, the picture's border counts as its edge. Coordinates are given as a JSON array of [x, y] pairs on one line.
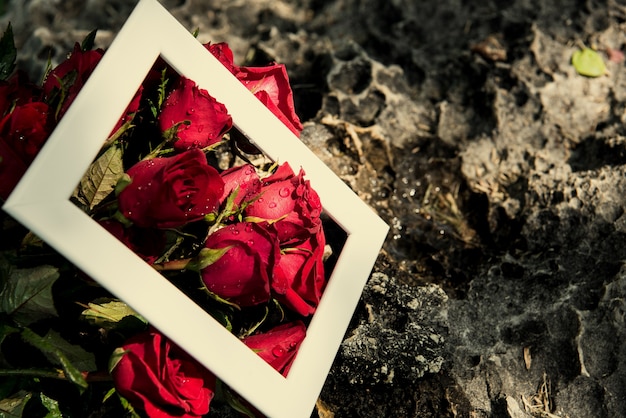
[[130, 111], [146, 243], [26, 128], [278, 346], [298, 280], [224, 54], [245, 179], [12, 168], [156, 376], [22, 134], [271, 85], [169, 192], [289, 202], [73, 73], [208, 119], [242, 274], [17, 90]]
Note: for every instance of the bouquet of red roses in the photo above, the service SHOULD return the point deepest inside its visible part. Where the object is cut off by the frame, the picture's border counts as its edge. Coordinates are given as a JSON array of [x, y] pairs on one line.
[[182, 188]]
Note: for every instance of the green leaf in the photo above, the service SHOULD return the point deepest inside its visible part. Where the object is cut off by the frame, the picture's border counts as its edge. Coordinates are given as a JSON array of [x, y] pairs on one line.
[[6, 330], [234, 401], [88, 42], [72, 358], [256, 325], [109, 312], [588, 62], [206, 257], [101, 178], [51, 405], [8, 53], [115, 358], [13, 407], [27, 294], [121, 184]]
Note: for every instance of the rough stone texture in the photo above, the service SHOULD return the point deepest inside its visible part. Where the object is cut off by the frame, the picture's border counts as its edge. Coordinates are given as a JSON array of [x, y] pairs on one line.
[[500, 290]]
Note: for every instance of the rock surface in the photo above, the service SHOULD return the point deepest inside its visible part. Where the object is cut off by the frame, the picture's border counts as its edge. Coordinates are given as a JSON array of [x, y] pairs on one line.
[[500, 291]]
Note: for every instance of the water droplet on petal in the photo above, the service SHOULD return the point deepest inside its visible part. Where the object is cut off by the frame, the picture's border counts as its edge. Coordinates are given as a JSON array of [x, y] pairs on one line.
[[271, 205], [284, 192], [278, 351]]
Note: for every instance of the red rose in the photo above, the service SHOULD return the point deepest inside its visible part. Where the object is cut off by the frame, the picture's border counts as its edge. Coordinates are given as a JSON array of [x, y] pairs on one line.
[[73, 73], [243, 177], [146, 243], [22, 134], [208, 119], [278, 346], [158, 377], [169, 192], [26, 129], [17, 90], [290, 203], [271, 85], [298, 280], [242, 274]]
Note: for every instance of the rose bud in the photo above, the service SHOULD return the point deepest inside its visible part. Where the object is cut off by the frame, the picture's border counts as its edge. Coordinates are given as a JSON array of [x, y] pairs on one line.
[[156, 376], [278, 346], [242, 274], [271, 86], [244, 179], [198, 118], [169, 192], [289, 202], [146, 243], [298, 280], [70, 76]]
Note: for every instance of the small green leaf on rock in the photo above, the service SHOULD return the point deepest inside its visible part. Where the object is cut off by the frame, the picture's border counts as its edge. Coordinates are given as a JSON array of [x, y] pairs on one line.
[[588, 62]]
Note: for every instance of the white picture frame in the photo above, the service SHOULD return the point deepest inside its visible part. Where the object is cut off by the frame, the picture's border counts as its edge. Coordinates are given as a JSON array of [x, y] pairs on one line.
[[41, 202]]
